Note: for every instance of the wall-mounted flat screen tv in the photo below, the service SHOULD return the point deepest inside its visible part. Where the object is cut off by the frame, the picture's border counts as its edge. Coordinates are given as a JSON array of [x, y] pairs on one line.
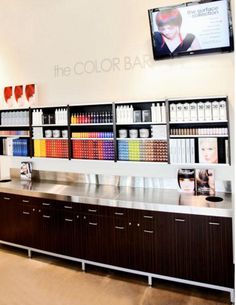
[[191, 28]]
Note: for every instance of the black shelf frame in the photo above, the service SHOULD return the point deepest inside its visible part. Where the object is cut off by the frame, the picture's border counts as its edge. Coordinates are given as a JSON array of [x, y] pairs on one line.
[[116, 126]]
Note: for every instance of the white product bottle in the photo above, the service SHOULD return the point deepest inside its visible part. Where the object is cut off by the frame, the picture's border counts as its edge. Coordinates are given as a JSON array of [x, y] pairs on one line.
[[56, 116], [121, 114], [223, 113], [179, 112], [208, 111], [124, 116], [173, 112], [215, 111], [193, 111], [59, 116], [131, 114], [154, 117], [65, 116], [41, 117], [201, 111], [118, 114], [163, 113], [158, 113], [33, 114], [186, 112]]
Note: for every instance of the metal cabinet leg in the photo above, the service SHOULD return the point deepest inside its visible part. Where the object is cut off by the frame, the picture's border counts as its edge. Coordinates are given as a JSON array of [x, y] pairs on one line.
[[83, 266], [29, 253], [150, 281], [232, 296]]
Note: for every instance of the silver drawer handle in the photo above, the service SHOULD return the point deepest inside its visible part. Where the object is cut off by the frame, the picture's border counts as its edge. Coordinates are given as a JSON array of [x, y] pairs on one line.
[[119, 228], [119, 214], [6, 198], [26, 201], [68, 219], [93, 211], [180, 220], [214, 223], [45, 203], [149, 217], [67, 207], [93, 223], [147, 231], [46, 216], [26, 213]]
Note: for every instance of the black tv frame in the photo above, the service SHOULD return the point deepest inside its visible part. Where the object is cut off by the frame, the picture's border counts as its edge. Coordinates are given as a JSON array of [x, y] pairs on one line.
[[227, 49]]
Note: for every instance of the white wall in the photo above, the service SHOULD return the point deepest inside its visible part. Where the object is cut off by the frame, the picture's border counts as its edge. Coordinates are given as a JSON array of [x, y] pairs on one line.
[[36, 36]]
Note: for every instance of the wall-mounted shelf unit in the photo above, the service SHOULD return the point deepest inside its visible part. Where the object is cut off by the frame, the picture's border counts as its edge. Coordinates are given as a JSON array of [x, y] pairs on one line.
[[50, 132], [199, 131], [175, 131], [15, 132], [93, 126]]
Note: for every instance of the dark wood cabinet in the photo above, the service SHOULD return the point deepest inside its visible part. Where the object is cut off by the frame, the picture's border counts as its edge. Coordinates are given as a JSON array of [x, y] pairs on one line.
[[191, 247], [132, 239], [172, 244], [197, 248], [92, 235], [211, 250], [8, 218]]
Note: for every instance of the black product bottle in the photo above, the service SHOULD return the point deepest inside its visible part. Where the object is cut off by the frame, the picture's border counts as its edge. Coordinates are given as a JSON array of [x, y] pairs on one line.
[[102, 120], [91, 118], [106, 120]]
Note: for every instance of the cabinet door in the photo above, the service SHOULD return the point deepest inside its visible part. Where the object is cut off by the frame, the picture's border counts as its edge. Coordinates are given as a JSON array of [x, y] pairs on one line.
[[65, 223], [79, 235], [143, 231], [26, 222], [46, 237], [172, 244], [96, 242], [121, 240], [212, 250], [8, 218]]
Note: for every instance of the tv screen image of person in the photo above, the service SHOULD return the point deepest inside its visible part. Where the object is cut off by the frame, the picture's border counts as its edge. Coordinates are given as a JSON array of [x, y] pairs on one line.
[[191, 28]]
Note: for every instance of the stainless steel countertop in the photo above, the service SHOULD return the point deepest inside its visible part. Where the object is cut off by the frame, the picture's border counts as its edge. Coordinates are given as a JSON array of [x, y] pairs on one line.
[[126, 197]]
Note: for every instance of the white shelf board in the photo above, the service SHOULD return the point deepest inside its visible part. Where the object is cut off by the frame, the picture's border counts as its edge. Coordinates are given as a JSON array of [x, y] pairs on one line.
[[49, 125], [112, 139], [198, 136], [142, 162], [199, 122], [14, 136], [140, 139], [50, 138], [93, 160], [93, 124], [5, 126], [202, 164], [142, 123]]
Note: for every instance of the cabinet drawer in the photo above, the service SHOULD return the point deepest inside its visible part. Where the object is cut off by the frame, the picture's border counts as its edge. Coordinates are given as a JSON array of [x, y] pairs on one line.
[[91, 209], [60, 205], [7, 197]]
